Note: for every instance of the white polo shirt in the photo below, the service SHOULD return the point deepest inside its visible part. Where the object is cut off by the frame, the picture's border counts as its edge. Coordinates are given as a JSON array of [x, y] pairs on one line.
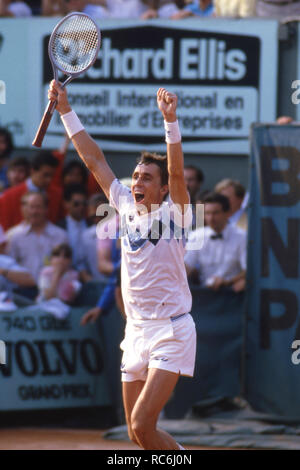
[[153, 275], [219, 257]]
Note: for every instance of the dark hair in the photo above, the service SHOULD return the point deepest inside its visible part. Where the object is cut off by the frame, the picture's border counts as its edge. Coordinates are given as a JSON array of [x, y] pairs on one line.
[[97, 199], [19, 161], [160, 160], [43, 158], [75, 164], [217, 198], [239, 189], [9, 141], [71, 189], [198, 171], [62, 248]]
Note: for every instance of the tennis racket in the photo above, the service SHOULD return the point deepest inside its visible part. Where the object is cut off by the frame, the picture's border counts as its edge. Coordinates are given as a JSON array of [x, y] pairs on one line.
[[73, 47]]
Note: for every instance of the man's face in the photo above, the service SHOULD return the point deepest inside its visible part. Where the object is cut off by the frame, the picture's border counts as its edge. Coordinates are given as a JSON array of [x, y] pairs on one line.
[[215, 217], [42, 177], [191, 181], [16, 175], [74, 176], [146, 186], [76, 207], [234, 201], [74, 5], [36, 210]]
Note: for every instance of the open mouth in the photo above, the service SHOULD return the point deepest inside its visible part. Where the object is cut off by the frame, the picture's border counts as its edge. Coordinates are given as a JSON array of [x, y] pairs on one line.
[[138, 197]]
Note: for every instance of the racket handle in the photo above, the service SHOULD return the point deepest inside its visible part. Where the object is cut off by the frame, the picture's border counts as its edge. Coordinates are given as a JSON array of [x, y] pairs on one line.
[[39, 137]]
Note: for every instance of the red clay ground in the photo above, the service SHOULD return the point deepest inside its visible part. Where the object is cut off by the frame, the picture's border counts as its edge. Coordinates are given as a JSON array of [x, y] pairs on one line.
[[64, 439]]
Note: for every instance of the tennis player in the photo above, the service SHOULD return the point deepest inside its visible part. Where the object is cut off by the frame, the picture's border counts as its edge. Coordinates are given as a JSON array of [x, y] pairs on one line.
[[160, 337]]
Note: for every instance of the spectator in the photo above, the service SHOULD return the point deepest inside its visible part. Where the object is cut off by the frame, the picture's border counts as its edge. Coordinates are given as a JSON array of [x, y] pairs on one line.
[[126, 9], [221, 261], [203, 8], [42, 170], [18, 170], [16, 9], [89, 240], [160, 9], [278, 9], [53, 8], [109, 256], [75, 198], [74, 172], [235, 8], [58, 280], [31, 245], [95, 11], [194, 178], [12, 274], [238, 199], [6, 148]]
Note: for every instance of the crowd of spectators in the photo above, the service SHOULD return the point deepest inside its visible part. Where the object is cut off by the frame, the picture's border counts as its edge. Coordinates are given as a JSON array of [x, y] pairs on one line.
[[51, 242], [147, 9]]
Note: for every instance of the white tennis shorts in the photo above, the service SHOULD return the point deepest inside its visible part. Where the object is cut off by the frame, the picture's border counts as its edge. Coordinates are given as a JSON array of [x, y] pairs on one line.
[[168, 344]]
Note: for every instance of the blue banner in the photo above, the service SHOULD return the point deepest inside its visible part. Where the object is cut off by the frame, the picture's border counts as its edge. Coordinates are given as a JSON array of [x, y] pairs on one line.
[[273, 326]]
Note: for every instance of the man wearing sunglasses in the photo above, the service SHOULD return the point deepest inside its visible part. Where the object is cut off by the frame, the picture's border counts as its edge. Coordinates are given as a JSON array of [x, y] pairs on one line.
[[75, 203]]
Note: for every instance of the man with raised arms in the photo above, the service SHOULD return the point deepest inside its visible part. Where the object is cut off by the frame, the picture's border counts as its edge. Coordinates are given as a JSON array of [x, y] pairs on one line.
[[160, 337]]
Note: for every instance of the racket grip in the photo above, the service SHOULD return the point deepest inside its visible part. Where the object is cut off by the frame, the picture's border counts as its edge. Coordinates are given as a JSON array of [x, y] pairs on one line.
[[39, 137]]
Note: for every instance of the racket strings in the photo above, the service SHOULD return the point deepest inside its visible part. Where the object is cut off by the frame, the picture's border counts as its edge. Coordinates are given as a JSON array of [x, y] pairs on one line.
[[74, 44]]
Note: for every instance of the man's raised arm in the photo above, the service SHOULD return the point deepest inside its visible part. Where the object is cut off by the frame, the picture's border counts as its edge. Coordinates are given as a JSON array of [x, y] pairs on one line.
[[167, 103], [86, 147]]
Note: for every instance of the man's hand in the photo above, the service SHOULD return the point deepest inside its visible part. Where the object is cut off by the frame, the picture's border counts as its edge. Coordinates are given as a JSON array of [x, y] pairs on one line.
[[217, 283], [167, 103], [59, 94], [90, 316]]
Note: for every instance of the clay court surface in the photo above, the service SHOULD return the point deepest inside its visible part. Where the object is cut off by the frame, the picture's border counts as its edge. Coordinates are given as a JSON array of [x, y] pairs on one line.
[[63, 439]]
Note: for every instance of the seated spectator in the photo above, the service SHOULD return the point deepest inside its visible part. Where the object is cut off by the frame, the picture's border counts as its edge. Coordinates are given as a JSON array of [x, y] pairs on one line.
[[53, 8], [12, 274], [74, 172], [109, 257], [238, 200], [16, 9], [196, 8], [125, 9], [193, 178], [160, 9], [221, 259], [89, 240], [278, 9], [42, 170], [6, 148], [31, 245], [59, 280], [235, 8], [75, 199], [18, 170], [95, 11]]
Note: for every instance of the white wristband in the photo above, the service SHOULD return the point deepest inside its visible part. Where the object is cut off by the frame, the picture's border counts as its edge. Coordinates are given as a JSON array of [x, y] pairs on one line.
[[173, 135], [72, 123]]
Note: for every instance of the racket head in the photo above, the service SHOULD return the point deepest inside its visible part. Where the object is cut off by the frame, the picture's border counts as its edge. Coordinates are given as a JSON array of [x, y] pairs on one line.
[[74, 45]]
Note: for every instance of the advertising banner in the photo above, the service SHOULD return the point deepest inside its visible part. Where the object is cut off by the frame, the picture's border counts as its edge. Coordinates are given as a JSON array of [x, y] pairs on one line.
[[50, 363], [273, 325], [224, 73]]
